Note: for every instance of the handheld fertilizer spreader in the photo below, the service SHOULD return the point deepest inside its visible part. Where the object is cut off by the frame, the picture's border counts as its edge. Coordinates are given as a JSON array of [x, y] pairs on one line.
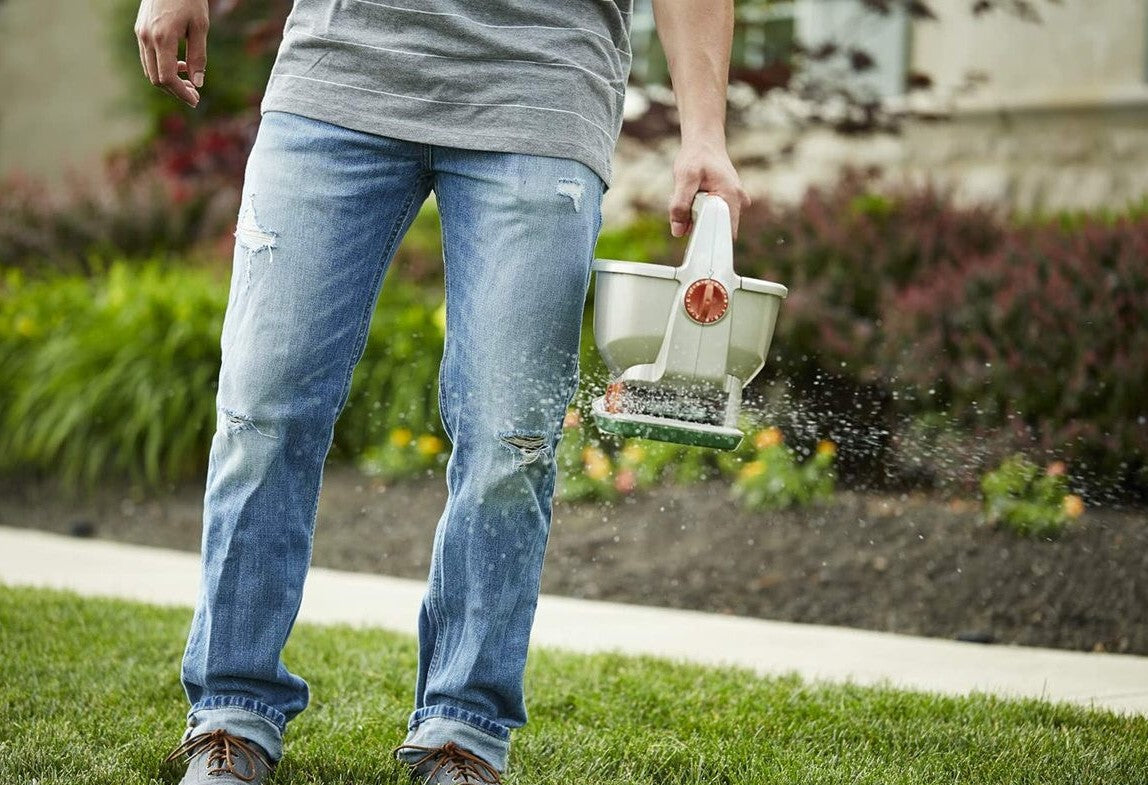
[[682, 342]]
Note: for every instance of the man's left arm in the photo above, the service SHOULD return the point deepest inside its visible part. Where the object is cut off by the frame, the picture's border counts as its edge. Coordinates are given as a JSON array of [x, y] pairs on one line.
[[696, 36]]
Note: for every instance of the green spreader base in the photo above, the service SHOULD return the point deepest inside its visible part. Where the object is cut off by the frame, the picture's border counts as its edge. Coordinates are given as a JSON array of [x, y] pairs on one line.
[[664, 429]]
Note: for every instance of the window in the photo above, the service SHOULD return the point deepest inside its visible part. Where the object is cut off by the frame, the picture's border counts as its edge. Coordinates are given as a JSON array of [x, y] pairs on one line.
[[766, 30], [763, 35]]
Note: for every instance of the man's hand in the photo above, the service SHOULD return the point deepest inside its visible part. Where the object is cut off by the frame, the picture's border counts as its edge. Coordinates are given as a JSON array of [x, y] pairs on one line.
[[160, 26], [702, 167]]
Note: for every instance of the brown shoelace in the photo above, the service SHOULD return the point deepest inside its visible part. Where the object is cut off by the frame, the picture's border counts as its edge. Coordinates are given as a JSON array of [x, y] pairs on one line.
[[464, 766], [221, 747]]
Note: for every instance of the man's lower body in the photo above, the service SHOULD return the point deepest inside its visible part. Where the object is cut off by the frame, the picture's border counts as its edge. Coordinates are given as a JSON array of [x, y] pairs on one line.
[[323, 209]]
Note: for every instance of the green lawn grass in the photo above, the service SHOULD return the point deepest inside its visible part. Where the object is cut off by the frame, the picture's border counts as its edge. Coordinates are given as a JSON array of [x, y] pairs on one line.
[[89, 693]]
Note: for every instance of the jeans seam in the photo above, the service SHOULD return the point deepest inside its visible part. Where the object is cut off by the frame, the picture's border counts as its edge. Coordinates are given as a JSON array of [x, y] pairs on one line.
[[435, 584], [443, 223]]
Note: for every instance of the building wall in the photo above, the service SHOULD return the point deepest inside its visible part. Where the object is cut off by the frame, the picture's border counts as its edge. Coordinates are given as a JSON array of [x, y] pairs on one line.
[[62, 95], [1082, 53], [1032, 161]]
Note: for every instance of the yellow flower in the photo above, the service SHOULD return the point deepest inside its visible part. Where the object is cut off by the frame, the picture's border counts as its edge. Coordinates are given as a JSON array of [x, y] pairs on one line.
[[752, 469], [770, 437], [25, 326], [633, 453], [401, 437], [440, 317], [826, 447], [429, 444], [1073, 506], [596, 463]]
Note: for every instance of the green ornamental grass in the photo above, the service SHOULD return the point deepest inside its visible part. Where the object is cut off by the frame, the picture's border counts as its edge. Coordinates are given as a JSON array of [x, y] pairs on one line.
[[110, 376], [89, 695], [114, 376]]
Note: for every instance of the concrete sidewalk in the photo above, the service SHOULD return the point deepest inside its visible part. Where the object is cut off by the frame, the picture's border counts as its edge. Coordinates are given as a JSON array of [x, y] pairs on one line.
[[1108, 681]]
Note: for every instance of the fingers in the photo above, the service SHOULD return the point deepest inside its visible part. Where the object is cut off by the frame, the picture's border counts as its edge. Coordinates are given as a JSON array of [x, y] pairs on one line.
[[687, 182], [722, 180], [716, 176], [144, 61], [197, 51], [166, 54], [158, 35], [737, 201]]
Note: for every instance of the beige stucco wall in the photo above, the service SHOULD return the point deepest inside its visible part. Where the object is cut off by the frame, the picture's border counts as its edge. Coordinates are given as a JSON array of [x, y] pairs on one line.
[[1083, 52], [1034, 161], [61, 94]]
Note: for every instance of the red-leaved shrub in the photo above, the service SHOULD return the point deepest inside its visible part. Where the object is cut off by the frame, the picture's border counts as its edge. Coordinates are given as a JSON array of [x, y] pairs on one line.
[[843, 251], [1046, 330]]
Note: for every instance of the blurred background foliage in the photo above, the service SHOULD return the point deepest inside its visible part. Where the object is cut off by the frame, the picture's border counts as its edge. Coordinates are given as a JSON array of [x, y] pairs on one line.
[[911, 324], [916, 330]]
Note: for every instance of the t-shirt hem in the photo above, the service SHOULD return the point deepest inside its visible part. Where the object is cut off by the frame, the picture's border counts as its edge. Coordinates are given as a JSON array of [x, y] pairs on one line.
[[427, 134]]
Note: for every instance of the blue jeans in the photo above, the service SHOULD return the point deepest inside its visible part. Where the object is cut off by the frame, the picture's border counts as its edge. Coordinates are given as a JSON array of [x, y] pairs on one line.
[[323, 209]]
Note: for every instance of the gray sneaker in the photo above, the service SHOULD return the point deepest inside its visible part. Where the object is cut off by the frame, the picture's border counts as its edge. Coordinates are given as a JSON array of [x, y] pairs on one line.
[[219, 758], [449, 764]]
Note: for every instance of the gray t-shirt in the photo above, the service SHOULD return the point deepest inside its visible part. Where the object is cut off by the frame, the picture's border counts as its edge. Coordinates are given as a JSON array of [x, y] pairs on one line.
[[544, 77]]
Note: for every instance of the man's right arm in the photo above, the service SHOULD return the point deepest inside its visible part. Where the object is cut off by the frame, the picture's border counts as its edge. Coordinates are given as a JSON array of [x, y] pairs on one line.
[[160, 26], [696, 38]]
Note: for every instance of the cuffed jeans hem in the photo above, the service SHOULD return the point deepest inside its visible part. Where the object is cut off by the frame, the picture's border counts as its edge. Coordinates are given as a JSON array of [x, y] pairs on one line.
[[434, 726], [240, 721]]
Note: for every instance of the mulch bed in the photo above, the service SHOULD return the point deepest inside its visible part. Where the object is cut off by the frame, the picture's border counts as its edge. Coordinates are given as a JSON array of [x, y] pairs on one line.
[[909, 564]]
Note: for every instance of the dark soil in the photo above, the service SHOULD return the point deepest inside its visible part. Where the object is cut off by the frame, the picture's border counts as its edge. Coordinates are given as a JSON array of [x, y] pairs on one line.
[[909, 564]]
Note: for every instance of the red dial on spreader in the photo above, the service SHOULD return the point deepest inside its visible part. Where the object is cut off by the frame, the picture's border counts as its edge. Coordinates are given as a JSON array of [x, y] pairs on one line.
[[706, 301]]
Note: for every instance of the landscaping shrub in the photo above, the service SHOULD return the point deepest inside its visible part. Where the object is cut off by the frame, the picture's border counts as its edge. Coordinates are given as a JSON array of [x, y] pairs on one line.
[[913, 327], [1043, 335], [1022, 498], [775, 479], [81, 227], [843, 252]]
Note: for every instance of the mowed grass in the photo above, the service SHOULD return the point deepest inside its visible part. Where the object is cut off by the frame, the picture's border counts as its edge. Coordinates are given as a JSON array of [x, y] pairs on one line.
[[89, 693]]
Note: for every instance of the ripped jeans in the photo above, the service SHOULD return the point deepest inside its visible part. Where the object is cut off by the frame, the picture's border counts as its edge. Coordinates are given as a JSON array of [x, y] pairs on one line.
[[323, 209]]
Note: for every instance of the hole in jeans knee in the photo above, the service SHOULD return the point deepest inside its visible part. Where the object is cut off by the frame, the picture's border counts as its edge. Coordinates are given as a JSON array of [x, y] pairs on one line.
[[232, 423], [252, 236], [527, 447]]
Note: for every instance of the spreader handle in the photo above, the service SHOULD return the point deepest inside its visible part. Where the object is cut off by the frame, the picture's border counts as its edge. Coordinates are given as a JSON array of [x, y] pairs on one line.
[[700, 200], [709, 253]]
